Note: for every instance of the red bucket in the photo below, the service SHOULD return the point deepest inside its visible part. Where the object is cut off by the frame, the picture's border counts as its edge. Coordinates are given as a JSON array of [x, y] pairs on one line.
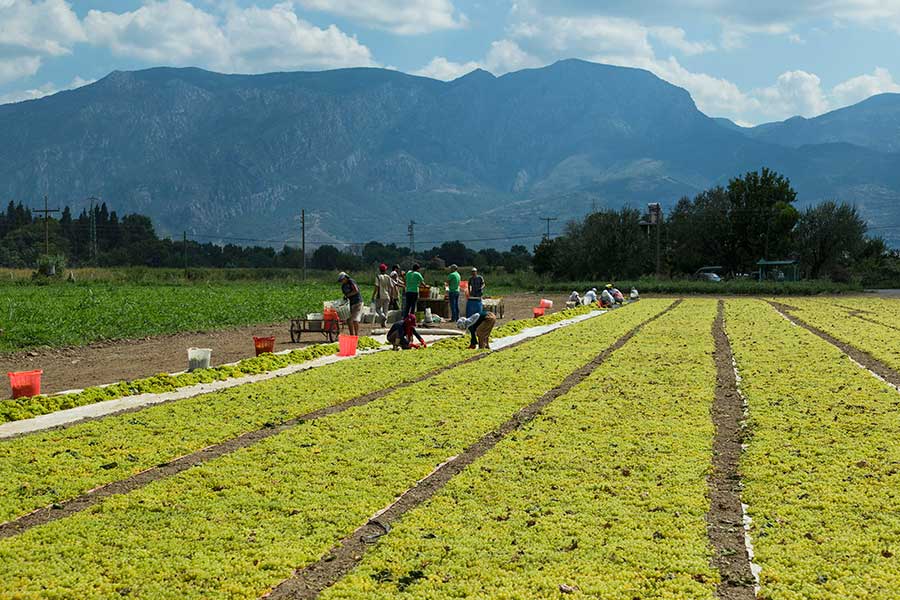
[[538, 312], [546, 303], [264, 344], [25, 384], [347, 345]]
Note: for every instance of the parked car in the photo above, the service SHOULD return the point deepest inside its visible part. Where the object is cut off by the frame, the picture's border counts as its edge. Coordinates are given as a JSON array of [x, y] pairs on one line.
[[708, 274]]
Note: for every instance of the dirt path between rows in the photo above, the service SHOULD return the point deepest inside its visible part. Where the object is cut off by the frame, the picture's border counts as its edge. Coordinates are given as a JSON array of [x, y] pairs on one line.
[[68, 508], [726, 518], [121, 360], [864, 358], [310, 581]]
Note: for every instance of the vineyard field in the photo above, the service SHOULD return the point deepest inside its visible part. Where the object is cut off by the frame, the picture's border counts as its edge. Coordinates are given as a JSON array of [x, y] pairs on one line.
[[584, 462]]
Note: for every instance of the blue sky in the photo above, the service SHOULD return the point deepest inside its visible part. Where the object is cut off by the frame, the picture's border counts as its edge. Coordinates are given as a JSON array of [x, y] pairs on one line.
[[750, 61]]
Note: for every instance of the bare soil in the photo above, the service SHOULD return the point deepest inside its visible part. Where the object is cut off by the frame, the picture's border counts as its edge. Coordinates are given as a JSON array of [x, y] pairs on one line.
[[310, 581], [122, 360], [725, 517]]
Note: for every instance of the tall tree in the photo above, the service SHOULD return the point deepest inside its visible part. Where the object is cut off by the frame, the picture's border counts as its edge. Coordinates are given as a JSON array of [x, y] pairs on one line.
[[830, 235]]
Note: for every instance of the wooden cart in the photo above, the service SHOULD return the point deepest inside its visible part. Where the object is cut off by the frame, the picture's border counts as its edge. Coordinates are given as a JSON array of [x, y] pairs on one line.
[[329, 329]]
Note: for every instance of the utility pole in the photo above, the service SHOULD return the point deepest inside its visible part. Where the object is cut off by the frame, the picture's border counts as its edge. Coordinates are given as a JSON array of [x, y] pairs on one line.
[[184, 242], [548, 219], [411, 229], [47, 211], [303, 239], [655, 211]]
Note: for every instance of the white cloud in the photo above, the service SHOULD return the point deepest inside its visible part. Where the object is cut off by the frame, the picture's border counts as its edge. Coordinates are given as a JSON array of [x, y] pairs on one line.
[[404, 17], [446, 70], [862, 87], [31, 31], [47, 28], [505, 56], [266, 39], [584, 34], [735, 34], [253, 39], [675, 37], [171, 32], [18, 67], [502, 57], [44, 90], [794, 93]]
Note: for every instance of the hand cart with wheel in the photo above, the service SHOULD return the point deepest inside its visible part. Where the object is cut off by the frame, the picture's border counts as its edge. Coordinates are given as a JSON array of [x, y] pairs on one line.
[[329, 328]]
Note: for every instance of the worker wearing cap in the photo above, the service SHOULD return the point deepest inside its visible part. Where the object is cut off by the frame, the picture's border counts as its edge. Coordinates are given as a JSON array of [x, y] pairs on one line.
[[354, 297], [590, 296], [480, 326], [453, 291], [401, 334], [382, 294], [606, 297], [474, 304]]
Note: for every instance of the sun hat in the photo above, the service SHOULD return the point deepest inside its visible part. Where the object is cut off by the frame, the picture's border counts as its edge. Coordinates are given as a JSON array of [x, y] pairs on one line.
[[382, 267], [342, 276]]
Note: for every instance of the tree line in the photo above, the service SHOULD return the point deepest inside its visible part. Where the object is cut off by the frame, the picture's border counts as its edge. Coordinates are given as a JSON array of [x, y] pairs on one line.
[[99, 237], [754, 217]]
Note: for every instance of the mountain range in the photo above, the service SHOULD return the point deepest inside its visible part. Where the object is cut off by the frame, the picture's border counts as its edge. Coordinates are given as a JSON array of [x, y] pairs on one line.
[[365, 151]]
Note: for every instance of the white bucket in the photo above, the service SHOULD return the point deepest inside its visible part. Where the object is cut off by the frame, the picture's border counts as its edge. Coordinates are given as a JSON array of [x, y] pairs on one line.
[[198, 358], [343, 312]]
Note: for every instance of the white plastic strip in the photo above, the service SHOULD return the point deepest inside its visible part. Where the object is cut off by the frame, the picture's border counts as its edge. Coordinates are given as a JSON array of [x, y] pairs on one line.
[[109, 407], [755, 569]]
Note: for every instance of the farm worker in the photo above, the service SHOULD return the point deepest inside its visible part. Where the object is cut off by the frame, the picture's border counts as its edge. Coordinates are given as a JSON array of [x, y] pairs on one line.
[[574, 300], [402, 332], [414, 280], [354, 297], [382, 294], [606, 297], [480, 326], [397, 278], [590, 296], [618, 297], [453, 291], [476, 293], [634, 295]]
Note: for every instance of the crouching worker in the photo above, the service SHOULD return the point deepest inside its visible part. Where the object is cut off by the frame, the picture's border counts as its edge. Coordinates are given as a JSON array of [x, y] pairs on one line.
[[480, 326], [402, 332]]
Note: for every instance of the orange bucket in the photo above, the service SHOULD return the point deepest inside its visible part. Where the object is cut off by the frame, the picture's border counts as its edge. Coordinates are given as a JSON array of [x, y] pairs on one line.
[[546, 303], [538, 312], [264, 344], [25, 384], [347, 345]]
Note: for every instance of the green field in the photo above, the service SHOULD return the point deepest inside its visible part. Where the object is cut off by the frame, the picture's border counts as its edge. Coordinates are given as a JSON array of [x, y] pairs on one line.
[[74, 314]]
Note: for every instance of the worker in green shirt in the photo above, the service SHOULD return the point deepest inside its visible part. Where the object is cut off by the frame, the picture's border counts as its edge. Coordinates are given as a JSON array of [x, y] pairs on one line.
[[453, 292], [414, 279]]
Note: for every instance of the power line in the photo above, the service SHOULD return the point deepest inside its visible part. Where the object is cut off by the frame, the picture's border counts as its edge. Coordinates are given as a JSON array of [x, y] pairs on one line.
[[548, 219]]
